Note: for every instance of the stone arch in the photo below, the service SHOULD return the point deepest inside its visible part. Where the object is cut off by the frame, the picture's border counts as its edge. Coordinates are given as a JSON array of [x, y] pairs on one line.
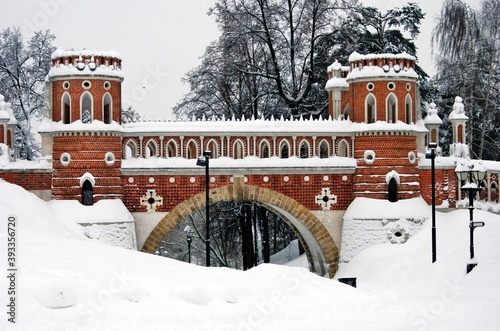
[[319, 246]]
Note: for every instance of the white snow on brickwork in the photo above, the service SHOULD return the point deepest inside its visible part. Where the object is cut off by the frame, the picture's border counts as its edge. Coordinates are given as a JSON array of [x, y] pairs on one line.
[[330, 126], [47, 125], [81, 68], [107, 221], [59, 53], [247, 162], [355, 56], [69, 282]]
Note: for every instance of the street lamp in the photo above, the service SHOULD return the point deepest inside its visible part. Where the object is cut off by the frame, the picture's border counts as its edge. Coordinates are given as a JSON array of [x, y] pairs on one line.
[[189, 238], [432, 155], [474, 177], [204, 163]]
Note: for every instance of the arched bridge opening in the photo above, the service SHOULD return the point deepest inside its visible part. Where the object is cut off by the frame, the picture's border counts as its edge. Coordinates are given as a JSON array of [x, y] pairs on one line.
[[319, 247]]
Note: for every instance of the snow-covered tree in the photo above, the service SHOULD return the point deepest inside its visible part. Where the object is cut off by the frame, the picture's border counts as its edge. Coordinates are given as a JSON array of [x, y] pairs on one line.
[[86, 116], [468, 52], [264, 62], [130, 115], [272, 55], [23, 68]]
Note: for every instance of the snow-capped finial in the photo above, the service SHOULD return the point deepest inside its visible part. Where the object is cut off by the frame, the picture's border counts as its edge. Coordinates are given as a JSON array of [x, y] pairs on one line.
[[458, 106]]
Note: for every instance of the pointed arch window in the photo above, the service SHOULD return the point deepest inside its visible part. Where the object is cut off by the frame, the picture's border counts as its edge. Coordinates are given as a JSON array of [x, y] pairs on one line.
[[87, 193], [171, 149], [130, 150], [66, 109], [304, 149], [192, 150], [346, 111], [212, 146], [86, 110], [151, 149], [370, 109], [238, 150], [408, 110], [323, 150], [107, 109], [392, 108], [284, 150], [343, 149], [393, 190], [264, 149]]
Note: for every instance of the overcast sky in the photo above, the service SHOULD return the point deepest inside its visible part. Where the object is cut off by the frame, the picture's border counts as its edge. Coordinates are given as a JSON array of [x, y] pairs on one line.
[[159, 40]]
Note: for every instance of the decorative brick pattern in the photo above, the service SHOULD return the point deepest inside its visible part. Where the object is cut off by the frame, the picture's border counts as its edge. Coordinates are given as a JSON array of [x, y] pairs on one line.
[[239, 191]]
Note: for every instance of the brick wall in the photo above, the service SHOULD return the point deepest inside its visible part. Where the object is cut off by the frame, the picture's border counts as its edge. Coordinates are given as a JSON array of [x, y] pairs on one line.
[[391, 154], [30, 180], [176, 188], [76, 90], [87, 154]]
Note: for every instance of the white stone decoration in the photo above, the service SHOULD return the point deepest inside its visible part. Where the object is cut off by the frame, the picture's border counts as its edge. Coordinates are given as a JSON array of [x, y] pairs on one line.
[[109, 158], [151, 200], [326, 199], [398, 232]]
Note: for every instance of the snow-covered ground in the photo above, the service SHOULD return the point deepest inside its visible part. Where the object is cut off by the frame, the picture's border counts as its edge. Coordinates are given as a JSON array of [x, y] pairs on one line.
[[69, 282]]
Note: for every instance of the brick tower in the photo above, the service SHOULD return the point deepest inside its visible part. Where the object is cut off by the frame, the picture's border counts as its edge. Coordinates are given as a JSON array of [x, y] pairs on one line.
[[84, 137], [381, 102]]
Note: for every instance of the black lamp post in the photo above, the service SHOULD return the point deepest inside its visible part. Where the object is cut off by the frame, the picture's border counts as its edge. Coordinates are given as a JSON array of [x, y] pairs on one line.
[[204, 163], [432, 155], [189, 238], [474, 177]]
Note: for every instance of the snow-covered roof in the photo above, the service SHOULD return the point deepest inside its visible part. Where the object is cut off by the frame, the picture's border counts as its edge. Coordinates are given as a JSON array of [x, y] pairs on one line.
[[59, 53], [336, 82], [86, 64], [458, 112], [103, 211], [267, 127], [432, 116], [355, 56], [6, 112], [386, 71], [78, 126], [394, 71], [247, 163], [383, 209]]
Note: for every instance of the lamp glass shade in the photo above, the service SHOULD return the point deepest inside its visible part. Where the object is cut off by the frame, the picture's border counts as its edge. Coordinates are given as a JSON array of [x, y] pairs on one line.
[[462, 175]]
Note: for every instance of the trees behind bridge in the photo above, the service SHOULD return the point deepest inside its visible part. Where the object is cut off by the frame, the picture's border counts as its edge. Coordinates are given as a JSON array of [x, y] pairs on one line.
[[467, 48], [272, 55], [242, 235]]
